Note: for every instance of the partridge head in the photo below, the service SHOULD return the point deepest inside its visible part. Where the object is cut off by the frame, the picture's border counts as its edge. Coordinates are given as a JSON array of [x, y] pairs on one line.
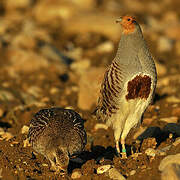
[[129, 83]]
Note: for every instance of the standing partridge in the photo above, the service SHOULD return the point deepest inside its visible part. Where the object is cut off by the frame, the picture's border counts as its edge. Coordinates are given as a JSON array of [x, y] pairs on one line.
[[129, 83], [57, 134]]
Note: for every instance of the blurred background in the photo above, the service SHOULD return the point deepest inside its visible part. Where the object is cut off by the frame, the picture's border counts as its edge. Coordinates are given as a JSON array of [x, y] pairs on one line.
[[55, 52]]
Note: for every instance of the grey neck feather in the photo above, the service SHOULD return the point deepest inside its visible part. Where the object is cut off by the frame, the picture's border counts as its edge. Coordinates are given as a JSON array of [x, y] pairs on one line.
[[129, 46]]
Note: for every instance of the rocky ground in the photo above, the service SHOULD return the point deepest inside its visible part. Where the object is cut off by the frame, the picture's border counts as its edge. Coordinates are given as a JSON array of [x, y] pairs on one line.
[[54, 53]]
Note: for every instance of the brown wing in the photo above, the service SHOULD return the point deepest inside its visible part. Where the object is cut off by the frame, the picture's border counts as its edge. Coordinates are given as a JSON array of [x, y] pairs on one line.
[[110, 92]]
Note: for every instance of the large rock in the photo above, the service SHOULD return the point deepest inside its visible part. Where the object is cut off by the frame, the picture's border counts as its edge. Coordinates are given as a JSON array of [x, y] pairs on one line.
[[89, 87]]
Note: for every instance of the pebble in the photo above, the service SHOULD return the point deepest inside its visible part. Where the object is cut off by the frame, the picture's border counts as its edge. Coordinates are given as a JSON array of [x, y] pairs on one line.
[[76, 174], [103, 169], [171, 172], [164, 44], [6, 95], [176, 111], [161, 69], [24, 129], [26, 143], [100, 126], [89, 87], [173, 99], [173, 119], [115, 174], [132, 172], [1, 112], [106, 47], [176, 142], [80, 66], [150, 152], [171, 159]]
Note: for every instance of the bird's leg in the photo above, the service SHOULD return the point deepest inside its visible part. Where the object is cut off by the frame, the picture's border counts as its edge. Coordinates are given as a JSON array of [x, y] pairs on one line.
[[123, 153], [117, 147]]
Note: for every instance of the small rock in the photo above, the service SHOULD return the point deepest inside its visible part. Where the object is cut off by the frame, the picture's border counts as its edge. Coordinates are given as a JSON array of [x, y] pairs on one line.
[[162, 151], [176, 111], [176, 142], [171, 172], [161, 69], [89, 87], [147, 121], [54, 90], [139, 132], [76, 174], [80, 66], [173, 99], [105, 47], [164, 44], [171, 159], [177, 47], [170, 119], [6, 95], [24, 129], [1, 112], [115, 174], [150, 152], [103, 169], [26, 143], [100, 126], [1, 173], [132, 172], [6, 136]]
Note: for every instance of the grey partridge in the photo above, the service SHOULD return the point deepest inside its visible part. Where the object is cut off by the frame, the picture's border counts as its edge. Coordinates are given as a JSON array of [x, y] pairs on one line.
[[129, 83], [58, 134]]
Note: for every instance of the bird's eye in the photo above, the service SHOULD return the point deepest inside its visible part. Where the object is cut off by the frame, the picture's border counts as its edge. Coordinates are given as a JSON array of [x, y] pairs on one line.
[[128, 19]]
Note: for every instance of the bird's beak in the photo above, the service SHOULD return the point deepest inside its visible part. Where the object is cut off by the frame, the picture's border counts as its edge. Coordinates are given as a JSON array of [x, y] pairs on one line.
[[119, 20]]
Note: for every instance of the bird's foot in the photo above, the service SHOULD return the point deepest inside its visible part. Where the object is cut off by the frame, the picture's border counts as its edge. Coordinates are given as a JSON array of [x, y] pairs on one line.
[[123, 154]]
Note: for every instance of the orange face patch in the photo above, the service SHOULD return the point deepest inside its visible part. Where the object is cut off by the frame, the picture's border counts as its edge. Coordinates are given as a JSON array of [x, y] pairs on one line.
[[139, 87], [128, 24]]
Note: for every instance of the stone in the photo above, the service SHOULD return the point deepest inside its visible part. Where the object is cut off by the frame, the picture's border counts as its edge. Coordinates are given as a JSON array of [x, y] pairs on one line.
[[173, 99], [103, 169], [76, 174], [173, 119], [115, 174], [99, 23], [1, 112], [106, 47], [24, 129], [171, 172], [89, 87], [170, 159], [80, 66], [132, 172], [6, 95], [176, 142], [177, 47], [11, 4], [24, 61], [161, 69], [172, 32], [100, 126], [150, 152], [176, 111], [164, 44]]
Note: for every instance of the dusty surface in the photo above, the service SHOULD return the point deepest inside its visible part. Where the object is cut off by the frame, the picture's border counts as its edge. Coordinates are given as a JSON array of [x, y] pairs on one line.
[[53, 53]]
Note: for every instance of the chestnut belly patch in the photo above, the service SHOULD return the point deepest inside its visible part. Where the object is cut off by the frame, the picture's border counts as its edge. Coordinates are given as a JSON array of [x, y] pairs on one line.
[[139, 87]]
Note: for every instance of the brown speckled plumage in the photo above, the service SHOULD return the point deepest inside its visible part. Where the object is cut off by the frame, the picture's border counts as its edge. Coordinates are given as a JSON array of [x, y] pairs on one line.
[[57, 134], [129, 82]]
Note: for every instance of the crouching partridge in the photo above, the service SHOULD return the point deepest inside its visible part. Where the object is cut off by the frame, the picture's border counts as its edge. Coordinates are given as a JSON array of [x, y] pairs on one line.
[[129, 83], [58, 134]]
